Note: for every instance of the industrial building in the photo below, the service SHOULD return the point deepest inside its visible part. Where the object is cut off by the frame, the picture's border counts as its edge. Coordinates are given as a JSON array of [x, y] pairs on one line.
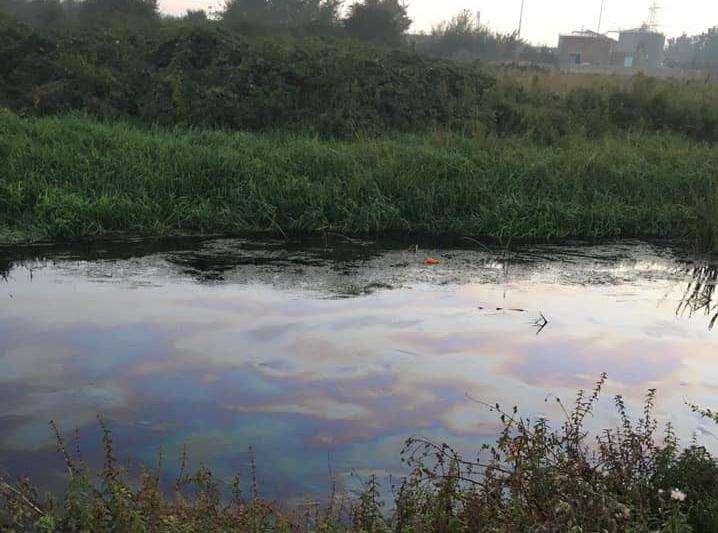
[[640, 48], [636, 49], [585, 48]]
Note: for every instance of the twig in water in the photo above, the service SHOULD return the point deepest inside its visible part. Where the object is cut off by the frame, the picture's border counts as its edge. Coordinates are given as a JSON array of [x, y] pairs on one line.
[[540, 323], [477, 242]]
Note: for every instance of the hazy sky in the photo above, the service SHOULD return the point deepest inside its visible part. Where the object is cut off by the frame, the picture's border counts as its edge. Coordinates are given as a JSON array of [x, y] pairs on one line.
[[543, 19]]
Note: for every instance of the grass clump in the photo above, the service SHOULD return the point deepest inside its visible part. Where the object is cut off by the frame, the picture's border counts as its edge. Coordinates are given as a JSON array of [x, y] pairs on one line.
[[72, 177], [537, 476]]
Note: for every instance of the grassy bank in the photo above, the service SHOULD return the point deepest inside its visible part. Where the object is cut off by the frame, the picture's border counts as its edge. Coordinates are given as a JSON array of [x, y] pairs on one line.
[[538, 476], [71, 177]]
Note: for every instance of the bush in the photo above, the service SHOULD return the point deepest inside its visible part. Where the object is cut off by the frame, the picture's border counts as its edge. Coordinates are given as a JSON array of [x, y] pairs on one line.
[[539, 476], [205, 75]]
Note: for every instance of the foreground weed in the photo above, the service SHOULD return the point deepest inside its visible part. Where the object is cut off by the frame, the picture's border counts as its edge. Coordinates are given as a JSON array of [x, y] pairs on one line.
[[537, 476]]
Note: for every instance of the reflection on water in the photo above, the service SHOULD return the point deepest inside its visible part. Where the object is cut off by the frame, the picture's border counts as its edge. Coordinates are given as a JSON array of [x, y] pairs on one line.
[[699, 296], [329, 354]]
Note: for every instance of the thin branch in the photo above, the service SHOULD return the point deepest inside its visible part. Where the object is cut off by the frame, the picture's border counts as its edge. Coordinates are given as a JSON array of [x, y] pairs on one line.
[[7, 487]]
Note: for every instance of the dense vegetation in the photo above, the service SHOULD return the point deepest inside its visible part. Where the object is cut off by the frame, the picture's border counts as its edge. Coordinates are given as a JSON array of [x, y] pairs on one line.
[[344, 127], [210, 74], [538, 476], [73, 176], [116, 119]]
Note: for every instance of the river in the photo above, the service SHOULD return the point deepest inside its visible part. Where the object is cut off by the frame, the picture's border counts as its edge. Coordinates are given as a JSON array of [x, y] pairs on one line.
[[325, 356]]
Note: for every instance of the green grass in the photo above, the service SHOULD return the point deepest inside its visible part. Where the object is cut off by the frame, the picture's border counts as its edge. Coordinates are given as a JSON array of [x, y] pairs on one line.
[[72, 177]]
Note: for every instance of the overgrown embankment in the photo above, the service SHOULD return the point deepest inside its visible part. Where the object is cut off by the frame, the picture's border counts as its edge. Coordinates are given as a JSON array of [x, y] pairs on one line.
[[72, 176], [210, 75]]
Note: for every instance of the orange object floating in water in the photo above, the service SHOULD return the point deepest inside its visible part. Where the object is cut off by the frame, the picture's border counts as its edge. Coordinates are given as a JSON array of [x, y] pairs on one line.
[[431, 261]]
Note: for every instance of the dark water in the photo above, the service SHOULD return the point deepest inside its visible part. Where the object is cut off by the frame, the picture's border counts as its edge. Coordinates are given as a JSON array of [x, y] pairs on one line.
[[329, 355]]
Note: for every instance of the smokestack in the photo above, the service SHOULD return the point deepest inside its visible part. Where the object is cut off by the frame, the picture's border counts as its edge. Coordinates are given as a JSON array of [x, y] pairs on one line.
[[478, 19]]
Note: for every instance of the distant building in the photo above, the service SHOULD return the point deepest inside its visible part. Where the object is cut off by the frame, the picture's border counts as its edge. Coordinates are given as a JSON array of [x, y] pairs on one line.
[[588, 51], [585, 48], [640, 48]]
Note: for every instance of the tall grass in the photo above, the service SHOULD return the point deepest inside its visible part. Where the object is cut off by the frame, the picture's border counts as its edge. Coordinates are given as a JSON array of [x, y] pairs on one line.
[[71, 176]]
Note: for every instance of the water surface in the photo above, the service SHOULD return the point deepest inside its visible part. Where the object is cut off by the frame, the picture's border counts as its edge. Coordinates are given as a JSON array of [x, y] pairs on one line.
[[328, 355]]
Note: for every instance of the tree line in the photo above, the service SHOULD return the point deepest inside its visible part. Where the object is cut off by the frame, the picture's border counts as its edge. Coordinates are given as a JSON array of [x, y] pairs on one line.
[[383, 22], [464, 38], [694, 51]]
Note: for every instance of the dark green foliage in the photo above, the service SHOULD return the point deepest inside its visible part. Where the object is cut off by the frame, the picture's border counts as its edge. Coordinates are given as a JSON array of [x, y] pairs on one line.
[[214, 78], [199, 72], [42, 13], [118, 13], [292, 17], [378, 21], [82, 14], [22, 52], [202, 74]]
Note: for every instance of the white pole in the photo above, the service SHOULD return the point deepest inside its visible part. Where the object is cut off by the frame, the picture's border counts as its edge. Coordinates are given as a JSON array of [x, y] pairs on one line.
[[521, 17], [600, 17]]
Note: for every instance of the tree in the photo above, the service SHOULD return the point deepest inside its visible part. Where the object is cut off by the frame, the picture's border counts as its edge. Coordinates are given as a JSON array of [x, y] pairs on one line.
[[50, 12], [195, 17], [294, 16], [43, 13], [463, 38], [381, 21], [694, 51], [124, 13]]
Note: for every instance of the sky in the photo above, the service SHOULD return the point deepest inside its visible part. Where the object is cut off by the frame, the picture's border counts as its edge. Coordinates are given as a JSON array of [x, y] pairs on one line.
[[543, 19]]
